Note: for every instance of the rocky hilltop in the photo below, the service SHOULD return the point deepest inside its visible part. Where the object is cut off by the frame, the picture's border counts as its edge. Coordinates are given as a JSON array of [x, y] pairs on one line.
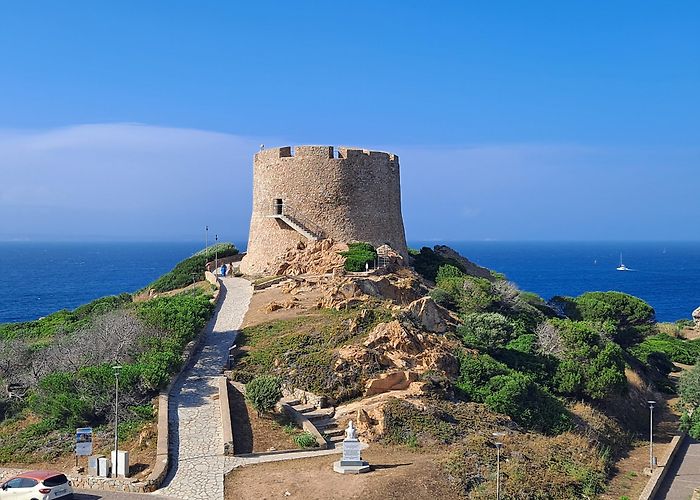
[[437, 353]]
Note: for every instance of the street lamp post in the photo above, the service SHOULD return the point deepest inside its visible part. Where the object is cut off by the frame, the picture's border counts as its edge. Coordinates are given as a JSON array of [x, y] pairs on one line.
[[651, 434], [216, 254], [116, 369], [206, 241], [498, 445]]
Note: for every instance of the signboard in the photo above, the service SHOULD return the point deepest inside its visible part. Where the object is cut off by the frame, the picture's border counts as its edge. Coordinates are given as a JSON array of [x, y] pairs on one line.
[[83, 441]]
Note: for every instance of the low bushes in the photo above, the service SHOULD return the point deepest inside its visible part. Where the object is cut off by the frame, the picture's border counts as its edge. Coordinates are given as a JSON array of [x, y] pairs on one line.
[[63, 322], [263, 392], [219, 250], [630, 318], [70, 399], [184, 273], [191, 270], [305, 440], [682, 351], [484, 380], [358, 255]]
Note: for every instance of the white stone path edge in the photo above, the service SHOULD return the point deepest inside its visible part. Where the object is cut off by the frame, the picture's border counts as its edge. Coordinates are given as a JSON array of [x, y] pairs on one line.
[[197, 463]]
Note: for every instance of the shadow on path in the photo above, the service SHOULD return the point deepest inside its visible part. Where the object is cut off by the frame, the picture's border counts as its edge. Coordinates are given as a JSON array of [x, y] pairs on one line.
[[240, 420], [684, 474]]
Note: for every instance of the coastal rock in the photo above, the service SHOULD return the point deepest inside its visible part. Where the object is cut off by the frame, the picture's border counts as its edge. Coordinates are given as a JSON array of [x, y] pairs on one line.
[[395, 381], [400, 290], [467, 266], [316, 258], [400, 346], [429, 315]]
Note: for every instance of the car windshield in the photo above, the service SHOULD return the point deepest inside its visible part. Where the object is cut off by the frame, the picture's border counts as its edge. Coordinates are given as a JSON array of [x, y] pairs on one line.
[[55, 480]]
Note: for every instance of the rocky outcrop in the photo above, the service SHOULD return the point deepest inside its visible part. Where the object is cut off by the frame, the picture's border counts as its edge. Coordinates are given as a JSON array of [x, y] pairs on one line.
[[400, 290], [696, 317], [395, 381], [287, 304], [429, 315], [404, 351], [467, 266], [315, 257]]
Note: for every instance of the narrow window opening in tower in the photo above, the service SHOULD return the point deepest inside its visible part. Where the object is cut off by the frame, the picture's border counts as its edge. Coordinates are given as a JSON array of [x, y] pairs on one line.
[[278, 206]]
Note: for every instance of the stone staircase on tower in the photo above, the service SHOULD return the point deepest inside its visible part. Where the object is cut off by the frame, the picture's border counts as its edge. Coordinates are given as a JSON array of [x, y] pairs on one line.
[[292, 218]]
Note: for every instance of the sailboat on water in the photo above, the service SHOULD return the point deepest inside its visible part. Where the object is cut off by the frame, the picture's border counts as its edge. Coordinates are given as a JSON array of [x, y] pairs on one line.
[[622, 266]]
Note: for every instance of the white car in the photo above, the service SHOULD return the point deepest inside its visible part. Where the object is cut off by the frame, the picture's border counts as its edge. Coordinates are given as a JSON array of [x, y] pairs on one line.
[[37, 485]]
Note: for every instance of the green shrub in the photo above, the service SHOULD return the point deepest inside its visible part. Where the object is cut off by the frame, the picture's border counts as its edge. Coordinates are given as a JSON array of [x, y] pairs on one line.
[[517, 396], [526, 343], [690, 423], [263, 392], [183, 274], [487, 329], [305, 440], [631, 318], [689, 388], [682, 351], [183, 314], [475, 371], [463, 293], [591, 365], [358, 255], [219, 250], [63, 322]]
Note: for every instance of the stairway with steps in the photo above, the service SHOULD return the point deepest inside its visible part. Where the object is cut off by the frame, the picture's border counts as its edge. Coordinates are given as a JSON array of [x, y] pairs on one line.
[[291, 217], [321, 418]]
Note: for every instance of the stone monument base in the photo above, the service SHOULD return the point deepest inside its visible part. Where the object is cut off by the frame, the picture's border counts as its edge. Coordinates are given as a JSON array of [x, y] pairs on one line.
[[350, 466]]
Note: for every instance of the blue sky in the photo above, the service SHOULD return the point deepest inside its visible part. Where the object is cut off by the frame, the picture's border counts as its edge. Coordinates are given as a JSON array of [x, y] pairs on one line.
[[514, 120]]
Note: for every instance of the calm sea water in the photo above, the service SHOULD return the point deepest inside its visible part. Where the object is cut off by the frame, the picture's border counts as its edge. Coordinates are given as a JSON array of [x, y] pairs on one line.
[[666, 275], [37, 279]]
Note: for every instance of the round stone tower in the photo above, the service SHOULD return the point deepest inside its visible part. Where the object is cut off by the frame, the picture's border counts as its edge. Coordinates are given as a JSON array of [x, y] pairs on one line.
[[315, 192]]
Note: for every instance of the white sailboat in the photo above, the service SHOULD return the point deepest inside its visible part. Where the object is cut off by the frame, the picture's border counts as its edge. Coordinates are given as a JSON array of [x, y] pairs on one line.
[[622, 267]]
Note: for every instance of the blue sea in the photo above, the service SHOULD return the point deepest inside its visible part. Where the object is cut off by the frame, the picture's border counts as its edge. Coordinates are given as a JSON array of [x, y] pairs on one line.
[[37, 279], [666, 275]]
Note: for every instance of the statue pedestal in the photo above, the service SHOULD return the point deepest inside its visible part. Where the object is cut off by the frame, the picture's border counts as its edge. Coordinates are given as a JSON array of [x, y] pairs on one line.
[[340, 468], [352, 462]]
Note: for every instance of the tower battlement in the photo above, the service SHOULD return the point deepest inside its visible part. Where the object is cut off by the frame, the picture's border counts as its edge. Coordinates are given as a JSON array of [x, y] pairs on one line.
[[302, 192], [323, 152]]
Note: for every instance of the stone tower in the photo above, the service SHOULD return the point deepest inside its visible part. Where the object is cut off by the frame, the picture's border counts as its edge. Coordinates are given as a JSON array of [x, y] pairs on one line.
[[314, 192]]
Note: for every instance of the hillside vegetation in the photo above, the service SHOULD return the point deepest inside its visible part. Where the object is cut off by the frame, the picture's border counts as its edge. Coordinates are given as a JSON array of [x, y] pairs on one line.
[[191, 270], [63, 365], [552, 374]]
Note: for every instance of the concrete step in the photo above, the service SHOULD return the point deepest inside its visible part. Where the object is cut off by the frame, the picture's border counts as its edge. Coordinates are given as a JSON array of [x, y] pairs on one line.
[[330, 432], [305, 409], [320, 413], [323, 424], [336, 439], [291, 402]]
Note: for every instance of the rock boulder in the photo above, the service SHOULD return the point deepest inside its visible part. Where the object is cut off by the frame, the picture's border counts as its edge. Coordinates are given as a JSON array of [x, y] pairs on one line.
[[429, 315]]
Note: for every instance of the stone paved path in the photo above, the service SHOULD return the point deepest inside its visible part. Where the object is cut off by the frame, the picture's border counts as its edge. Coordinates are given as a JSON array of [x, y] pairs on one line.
[[196, 447], [684, 475], [198, 465]]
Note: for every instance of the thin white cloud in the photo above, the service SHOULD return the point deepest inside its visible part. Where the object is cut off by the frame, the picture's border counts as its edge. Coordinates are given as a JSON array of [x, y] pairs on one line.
[[134, 181], [125, 180]]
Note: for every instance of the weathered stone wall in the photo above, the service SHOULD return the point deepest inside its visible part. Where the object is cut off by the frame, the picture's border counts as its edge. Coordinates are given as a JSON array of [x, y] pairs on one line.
[[350, 195]]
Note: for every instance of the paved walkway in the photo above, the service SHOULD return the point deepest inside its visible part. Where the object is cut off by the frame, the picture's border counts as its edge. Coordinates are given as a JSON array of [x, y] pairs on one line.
[[684, 475], [198, 465], [196, 446]]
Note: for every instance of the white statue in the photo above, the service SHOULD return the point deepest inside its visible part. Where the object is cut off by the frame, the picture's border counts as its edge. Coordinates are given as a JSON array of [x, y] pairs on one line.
[[351, 431]]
